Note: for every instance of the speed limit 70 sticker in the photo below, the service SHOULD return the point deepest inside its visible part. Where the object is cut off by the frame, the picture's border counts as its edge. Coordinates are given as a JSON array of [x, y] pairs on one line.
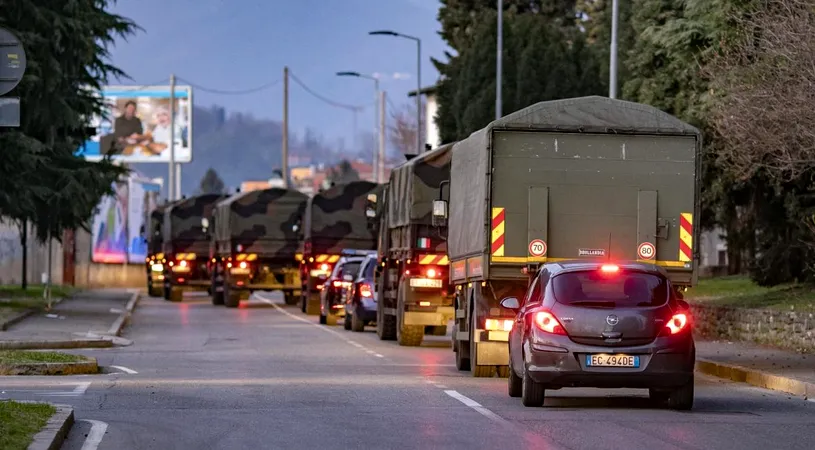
[[646, 250], [537, 247]]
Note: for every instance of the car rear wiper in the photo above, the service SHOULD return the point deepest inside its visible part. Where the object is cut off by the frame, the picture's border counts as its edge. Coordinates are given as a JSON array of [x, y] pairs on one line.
[[598, 303]]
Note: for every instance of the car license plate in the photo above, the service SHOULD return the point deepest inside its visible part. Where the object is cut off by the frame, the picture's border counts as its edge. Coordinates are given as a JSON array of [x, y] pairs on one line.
[[425, 283], [603, 360], [239, 271]]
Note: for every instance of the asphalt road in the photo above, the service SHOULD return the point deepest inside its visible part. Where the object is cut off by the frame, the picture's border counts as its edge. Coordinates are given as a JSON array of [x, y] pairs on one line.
[[268, 377]]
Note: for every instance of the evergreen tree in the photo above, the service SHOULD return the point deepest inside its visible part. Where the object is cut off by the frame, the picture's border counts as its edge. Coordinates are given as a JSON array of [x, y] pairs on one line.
[[66, 49], [211, 183]]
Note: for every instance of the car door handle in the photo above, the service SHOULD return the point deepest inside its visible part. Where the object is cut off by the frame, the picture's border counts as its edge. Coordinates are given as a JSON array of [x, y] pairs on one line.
[[612, 334]]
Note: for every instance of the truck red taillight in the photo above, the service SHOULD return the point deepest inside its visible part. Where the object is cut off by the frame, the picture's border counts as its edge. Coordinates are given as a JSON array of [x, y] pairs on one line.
[[547, 322]]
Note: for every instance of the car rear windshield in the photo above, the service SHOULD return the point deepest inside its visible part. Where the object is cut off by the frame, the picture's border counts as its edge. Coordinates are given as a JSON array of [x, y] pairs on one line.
[[597, 289], [369, 270], [350, 268]]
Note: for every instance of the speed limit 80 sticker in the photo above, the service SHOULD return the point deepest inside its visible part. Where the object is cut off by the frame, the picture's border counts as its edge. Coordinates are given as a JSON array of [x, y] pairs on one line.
[[646, 250]]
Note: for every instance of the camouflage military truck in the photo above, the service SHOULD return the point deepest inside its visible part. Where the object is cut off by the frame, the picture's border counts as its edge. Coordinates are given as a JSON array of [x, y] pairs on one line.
[[337, 221], [185, 245], [255, 236], [412, 284], [583, 178], [155, 256]]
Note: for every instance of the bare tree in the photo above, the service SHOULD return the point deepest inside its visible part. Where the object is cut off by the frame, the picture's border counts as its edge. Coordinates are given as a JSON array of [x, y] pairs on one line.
[[763, 92], [402, 128]]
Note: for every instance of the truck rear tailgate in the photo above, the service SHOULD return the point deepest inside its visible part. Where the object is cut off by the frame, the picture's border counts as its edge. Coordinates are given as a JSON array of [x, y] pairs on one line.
[[560, 196]]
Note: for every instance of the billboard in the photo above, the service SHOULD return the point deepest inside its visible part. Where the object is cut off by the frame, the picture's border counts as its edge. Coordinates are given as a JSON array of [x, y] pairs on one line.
[[142, 199], [109, 232], [134, 126]]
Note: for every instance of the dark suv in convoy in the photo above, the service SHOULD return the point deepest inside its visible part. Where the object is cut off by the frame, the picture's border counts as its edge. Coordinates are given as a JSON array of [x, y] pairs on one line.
[[360, 297], [594, 324], [331, 297]]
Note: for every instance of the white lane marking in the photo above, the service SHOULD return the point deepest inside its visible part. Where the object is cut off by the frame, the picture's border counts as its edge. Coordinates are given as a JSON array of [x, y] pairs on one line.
[[320, 327], [125, 369], [79, 390], [98, 429], [476, 406]]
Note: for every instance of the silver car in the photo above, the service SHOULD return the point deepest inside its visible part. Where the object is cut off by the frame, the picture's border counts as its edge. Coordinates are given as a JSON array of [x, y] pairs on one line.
[[591, 324]]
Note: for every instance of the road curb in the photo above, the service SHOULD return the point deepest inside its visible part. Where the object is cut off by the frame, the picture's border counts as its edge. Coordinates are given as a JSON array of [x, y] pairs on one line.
[[121, 321], [756, 378], [56, 430], [4, 326], [16, 319], [55, 345], [89, 367]]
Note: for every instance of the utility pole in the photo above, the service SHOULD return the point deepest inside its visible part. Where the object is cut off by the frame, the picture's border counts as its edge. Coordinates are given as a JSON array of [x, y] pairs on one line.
[[498, 62], [285, 162], [380, 166], [419, 146], [612, 72], [171, 182]]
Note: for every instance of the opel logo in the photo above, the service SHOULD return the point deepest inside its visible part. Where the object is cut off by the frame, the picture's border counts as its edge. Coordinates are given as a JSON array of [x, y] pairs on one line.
[[612, 320]]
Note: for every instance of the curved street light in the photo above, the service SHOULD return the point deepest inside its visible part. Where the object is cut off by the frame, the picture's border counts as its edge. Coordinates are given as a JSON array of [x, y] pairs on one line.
[[380, 151], [419, 147]]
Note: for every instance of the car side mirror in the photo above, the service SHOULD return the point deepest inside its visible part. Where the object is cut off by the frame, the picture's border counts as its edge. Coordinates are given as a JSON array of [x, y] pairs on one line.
[[439, 213], [511, 303]]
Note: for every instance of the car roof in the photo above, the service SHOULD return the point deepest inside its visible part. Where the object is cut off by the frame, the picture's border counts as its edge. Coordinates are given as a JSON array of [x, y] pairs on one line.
[[578, 265]]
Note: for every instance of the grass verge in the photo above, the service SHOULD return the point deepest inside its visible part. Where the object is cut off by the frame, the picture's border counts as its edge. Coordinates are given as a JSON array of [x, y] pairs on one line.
[[14, 299], [740, 291], [32, 357], [19, 422]]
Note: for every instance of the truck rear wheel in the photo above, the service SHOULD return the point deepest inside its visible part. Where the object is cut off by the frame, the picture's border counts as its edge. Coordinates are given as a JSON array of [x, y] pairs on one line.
[[436, 330], [231, 298], [477, 370], [176, 294], [406, 335], [289, 298], [385, 324], [217, 297], [166, 290]]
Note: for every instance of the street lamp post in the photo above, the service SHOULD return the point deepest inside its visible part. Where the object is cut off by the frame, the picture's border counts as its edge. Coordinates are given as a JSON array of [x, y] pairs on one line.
[[612, 65], [380, 151], [419, 147]]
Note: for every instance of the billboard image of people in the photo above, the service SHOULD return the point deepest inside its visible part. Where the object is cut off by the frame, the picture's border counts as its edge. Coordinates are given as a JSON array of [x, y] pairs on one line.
[[142, 201], [134, 126], [109, 232]]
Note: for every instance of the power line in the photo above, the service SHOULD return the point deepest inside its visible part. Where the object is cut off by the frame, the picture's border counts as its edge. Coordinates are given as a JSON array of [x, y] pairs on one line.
[[262, 87], [327, 100]]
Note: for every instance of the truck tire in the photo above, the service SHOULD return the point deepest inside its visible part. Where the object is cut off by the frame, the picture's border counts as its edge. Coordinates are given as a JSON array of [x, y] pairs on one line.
[[176, 294], [385, 325], [289, 298], [303, 300], [231, 298], [436, 330], [166, 291], [475, 369], [406, 335], [217, 297], [357, 324], [346, 323]]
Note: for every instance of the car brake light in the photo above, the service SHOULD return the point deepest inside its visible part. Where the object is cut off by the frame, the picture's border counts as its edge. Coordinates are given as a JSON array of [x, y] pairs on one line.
[[365, 290], [676, 324], [610, 268], [337, 283], [548, 323]]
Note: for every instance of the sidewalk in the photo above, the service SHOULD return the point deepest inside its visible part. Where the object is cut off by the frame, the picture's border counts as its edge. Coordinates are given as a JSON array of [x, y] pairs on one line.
[[764, 367], [78, 321]]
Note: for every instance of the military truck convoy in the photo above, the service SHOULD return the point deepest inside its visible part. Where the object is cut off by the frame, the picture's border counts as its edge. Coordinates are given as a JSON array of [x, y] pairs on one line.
[[461, 227], [154, 263], [338, 220], [254, 240], [185, 245], [414, 292]]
